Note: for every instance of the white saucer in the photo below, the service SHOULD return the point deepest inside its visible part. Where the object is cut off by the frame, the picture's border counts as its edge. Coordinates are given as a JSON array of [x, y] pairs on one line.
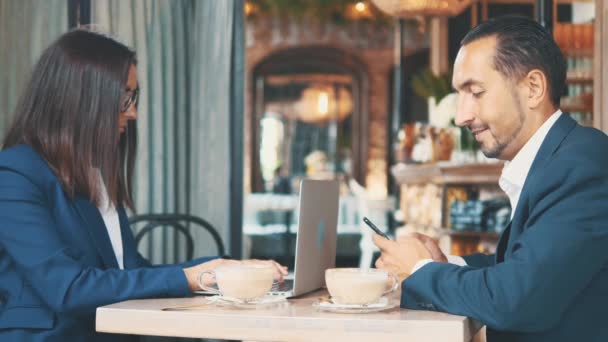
[[233, 302], [326, 304]]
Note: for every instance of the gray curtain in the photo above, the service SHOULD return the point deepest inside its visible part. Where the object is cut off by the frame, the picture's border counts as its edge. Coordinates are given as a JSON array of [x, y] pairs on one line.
[[211, 79], [27, 27], [184, 50]]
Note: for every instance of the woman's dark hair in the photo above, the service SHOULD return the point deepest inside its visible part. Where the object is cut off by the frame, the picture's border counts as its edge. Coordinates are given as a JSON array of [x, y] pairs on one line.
[[523, 45], [69, 112]]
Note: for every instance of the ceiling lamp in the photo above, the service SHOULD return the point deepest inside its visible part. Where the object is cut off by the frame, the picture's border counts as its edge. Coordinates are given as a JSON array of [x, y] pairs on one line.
[[319, 104], [359, 10], [410, 8]]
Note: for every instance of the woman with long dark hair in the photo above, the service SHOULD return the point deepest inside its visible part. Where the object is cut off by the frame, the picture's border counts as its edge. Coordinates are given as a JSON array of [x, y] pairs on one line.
[[66, 175]]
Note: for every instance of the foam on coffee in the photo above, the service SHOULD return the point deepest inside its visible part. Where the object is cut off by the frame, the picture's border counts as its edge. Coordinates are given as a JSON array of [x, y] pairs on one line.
[[356, 286]]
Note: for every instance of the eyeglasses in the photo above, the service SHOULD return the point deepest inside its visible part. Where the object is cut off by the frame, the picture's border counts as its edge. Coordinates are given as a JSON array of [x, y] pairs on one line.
[[131, 99]]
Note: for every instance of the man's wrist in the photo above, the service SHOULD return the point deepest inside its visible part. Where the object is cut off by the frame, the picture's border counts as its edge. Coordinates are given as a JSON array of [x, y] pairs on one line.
[[191, 276], [452, 259], [420, 264]]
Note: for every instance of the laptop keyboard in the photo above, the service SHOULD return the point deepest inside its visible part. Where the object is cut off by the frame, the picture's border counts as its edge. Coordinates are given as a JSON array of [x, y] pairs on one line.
[[283, 287]]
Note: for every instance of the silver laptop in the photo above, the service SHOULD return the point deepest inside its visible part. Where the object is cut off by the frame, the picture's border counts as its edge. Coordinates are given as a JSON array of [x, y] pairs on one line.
[[315, 239]]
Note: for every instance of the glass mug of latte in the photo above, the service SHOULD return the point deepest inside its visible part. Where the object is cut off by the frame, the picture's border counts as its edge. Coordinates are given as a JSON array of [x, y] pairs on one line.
[[245, 283], [358, 286]]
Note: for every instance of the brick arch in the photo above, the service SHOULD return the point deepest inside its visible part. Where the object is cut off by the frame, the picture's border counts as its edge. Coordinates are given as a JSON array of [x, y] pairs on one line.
[[314, 59], [327, 58]]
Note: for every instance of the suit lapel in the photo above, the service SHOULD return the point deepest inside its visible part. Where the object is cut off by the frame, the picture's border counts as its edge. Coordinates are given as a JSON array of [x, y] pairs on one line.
[[97, 230], [554, 138], [514, 229]]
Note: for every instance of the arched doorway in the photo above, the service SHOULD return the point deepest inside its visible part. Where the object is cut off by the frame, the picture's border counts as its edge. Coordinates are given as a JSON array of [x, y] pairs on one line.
[[306, 102]]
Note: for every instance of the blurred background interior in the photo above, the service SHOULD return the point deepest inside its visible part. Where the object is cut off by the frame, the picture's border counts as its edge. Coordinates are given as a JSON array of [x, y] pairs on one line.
[[241, 100]]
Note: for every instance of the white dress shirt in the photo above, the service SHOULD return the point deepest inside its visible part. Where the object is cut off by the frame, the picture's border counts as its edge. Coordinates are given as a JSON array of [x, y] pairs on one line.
[[513, 176], [110, 219]]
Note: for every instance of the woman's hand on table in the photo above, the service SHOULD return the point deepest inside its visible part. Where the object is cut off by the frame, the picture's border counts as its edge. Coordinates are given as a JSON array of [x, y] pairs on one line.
[[280, 271]]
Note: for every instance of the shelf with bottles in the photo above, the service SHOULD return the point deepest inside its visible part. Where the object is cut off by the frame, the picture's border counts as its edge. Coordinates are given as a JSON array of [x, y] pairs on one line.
[[579, 103], [577, 43], [580, 69], [475, 216], [578, 99], [585, 79], [455, 201], [578, 53], [574, 39]]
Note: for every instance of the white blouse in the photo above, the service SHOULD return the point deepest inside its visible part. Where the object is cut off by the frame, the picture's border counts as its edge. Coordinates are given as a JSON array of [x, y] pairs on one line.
[[110, 219]]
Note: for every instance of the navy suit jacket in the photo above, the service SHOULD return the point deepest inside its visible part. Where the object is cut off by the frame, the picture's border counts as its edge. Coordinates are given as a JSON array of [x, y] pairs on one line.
[[57, 264], [548, 280]]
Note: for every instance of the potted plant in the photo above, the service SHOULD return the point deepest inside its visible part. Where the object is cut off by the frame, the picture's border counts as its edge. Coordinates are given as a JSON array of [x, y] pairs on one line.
[[442, 104]]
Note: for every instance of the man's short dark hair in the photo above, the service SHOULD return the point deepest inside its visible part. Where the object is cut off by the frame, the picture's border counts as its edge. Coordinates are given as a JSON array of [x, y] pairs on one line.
[[523, 45]]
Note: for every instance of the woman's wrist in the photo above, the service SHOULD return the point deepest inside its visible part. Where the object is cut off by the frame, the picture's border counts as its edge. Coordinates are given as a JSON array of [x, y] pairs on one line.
[[192, 277]]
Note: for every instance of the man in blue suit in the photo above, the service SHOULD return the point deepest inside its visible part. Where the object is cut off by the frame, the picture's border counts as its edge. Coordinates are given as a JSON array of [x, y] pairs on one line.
[[548, 280]]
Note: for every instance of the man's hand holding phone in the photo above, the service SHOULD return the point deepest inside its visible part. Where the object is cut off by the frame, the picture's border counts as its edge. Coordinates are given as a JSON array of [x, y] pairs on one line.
[[400, 256], [374, 228]]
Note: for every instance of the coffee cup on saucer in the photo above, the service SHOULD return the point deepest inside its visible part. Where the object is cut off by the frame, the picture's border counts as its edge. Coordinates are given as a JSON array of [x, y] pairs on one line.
[[358, 286], [245, 283]]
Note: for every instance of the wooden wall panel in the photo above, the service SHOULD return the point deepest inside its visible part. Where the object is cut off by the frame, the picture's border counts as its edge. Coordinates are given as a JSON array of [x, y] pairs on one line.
[[600, 85]]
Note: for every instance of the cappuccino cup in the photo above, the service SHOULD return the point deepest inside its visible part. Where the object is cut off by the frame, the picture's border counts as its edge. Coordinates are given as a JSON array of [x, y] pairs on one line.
[[357, 286], [246, 283]]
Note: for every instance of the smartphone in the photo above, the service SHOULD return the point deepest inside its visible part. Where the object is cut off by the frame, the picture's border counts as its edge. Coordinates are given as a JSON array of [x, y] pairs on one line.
[[374, 228]]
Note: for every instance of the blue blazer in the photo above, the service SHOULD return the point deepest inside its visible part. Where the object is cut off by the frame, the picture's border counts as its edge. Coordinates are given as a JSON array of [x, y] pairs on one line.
[[548, 280], [57, 264]]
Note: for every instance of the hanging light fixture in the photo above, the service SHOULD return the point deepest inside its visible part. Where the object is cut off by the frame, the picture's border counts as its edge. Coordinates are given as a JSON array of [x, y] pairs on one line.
[[411, 8], [359, 10], [321, 103], [250, 8]]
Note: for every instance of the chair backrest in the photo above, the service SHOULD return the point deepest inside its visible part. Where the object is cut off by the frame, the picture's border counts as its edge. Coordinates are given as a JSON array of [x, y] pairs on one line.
[[181, 225]]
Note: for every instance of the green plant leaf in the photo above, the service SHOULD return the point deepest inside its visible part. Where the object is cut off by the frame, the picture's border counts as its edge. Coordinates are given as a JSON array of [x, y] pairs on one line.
[[426, 84]]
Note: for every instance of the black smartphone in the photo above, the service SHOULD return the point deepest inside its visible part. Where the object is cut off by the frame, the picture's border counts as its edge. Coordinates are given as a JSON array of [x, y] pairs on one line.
[[374, 228]]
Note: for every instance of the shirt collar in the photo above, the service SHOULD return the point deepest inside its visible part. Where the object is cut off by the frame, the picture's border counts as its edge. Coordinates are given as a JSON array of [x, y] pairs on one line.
[[516, 171]]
